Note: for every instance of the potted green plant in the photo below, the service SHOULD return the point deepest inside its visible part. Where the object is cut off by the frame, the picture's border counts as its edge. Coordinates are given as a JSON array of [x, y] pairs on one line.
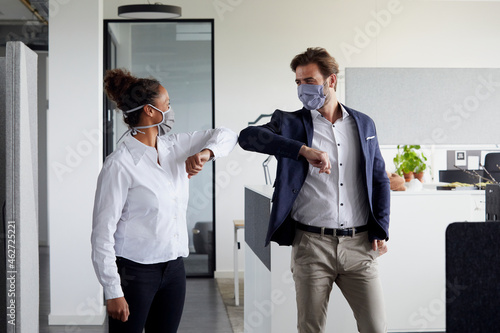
[[410, 162]]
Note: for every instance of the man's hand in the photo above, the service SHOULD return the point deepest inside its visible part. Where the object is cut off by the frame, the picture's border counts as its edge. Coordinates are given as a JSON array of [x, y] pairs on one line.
[[118, 308], [379, 245], [195, 163], [316, 158]]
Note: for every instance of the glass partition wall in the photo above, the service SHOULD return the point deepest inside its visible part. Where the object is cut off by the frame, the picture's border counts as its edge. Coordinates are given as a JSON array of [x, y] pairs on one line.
[[179, 53]]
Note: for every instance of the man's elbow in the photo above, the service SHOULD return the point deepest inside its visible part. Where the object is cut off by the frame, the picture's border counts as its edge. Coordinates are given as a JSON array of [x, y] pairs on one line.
[[249, 140], [243, 138]]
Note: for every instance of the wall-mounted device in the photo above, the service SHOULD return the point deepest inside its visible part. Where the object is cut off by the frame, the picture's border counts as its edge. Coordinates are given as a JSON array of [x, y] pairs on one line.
[[460, 158]]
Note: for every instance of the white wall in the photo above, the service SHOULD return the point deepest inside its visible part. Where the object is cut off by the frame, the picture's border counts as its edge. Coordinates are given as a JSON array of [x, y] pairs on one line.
[[74, 157], [255, 41]]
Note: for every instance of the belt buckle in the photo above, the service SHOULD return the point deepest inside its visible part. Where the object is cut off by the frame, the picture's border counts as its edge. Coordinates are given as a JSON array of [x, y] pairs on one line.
[[353, 233]]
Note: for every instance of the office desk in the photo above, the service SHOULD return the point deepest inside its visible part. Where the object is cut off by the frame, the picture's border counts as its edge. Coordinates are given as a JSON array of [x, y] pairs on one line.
[[412, 272]]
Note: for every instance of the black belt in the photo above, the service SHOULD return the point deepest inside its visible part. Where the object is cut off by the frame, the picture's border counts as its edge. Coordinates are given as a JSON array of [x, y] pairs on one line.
[[333, 232]]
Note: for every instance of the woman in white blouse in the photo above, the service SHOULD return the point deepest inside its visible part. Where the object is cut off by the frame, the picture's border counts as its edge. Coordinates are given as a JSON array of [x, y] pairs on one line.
[[139, 232]]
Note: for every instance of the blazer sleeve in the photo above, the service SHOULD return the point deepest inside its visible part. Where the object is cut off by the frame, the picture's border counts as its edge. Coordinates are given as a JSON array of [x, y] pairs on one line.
[[269, 139]]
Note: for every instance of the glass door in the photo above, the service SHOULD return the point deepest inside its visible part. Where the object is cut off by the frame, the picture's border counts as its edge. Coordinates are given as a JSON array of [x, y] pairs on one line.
[[180, 55]]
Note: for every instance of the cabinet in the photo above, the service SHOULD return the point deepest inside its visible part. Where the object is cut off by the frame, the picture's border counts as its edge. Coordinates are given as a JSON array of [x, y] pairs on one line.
[[413, 271]]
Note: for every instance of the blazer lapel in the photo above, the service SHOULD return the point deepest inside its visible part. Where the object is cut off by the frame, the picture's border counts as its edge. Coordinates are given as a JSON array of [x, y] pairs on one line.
[[308, 125], [360, 126], [363, 133]]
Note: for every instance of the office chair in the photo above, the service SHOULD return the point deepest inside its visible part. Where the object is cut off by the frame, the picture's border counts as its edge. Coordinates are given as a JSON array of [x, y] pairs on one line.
[[202, 237], [491, 160], [492, 166]]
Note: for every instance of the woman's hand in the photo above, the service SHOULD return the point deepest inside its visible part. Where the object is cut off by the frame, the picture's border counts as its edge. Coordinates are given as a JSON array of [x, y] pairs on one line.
[[195, 163], [118, 308]]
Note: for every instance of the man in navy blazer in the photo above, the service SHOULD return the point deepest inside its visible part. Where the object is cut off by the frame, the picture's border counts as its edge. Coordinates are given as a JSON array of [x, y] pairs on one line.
[[331, 199], [283, 137]]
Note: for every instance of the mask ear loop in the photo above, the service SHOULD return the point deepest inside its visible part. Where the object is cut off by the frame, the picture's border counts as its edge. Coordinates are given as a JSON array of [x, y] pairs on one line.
[[335, 87], [132, 130], [132, 110]]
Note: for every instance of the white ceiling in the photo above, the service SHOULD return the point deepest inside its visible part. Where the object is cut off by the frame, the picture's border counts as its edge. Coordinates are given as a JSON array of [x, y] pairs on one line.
[[14, 10], [14, 16]]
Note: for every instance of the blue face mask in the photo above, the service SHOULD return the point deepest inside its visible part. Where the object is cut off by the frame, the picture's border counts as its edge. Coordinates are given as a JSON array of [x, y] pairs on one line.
[[312, 96]]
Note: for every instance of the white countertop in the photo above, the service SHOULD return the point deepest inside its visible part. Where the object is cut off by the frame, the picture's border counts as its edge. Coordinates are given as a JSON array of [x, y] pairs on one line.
[[428, 189]]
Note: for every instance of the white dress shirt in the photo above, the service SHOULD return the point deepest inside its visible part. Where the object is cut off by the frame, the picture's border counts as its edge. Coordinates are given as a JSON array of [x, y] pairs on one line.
[[140, 205], [337, 200]]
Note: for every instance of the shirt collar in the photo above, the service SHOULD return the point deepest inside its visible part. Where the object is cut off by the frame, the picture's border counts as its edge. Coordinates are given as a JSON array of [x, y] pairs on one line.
[[136, 148], [315, 113]]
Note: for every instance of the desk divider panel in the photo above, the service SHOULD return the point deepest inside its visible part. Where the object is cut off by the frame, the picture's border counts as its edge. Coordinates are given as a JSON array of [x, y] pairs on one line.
[[256, 224], [427, 105], [472, 277], [21, 189]]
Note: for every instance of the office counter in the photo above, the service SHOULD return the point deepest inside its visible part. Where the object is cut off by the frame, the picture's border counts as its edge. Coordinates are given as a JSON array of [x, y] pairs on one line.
[[412, 272]]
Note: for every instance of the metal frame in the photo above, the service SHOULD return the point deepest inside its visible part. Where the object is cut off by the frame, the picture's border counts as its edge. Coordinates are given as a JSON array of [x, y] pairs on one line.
[[106, 123]]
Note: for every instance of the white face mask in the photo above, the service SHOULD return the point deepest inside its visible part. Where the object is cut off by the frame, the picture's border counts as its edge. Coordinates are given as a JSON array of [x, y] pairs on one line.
[[166, 124], [167, 121]]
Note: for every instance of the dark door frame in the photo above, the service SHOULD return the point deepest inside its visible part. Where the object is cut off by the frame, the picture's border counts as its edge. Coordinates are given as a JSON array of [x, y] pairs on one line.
[[108, 120]]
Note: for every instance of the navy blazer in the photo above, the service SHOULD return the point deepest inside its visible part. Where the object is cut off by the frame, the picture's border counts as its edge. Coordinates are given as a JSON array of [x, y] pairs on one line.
[[283, 137]]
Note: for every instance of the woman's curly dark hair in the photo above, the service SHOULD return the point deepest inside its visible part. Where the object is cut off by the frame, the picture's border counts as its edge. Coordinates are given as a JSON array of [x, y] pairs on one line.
[[128, 92]]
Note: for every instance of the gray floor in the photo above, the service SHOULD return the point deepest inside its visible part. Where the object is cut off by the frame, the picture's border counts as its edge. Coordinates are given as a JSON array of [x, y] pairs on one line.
[[204, 310], [235, 313]]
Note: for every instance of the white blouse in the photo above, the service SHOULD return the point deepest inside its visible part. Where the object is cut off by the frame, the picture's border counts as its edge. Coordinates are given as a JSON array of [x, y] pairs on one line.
[[140, 205]]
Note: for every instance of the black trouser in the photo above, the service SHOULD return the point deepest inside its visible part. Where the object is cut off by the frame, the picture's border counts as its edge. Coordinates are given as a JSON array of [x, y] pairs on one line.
[[155, 295]]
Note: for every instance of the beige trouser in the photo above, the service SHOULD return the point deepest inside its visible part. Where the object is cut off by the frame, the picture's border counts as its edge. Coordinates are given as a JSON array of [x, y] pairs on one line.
[[319, 261]]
